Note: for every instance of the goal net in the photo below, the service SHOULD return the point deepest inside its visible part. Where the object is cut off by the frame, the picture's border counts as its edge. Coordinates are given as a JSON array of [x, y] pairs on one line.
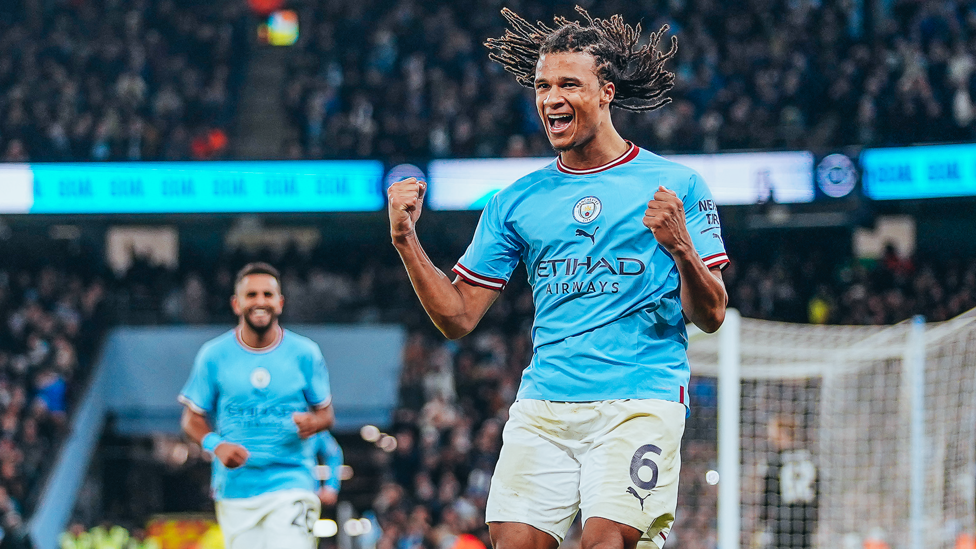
[[849, 435]]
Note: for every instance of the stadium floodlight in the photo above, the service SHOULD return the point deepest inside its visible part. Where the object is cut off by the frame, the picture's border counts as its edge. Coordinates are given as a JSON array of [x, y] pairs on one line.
[[370, 433], [353, 528], [325, 528]]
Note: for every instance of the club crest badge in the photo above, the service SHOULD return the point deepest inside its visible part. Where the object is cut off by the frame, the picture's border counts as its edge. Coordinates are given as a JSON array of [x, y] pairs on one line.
[[260, 378], [587, 209]]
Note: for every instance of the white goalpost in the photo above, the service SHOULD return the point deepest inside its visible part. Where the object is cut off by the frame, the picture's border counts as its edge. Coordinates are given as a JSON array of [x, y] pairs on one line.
[[869, 430]]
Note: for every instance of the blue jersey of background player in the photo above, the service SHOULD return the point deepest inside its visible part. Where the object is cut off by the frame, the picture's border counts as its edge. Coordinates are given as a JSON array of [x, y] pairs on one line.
[[266, 391], [620, 246], [328, 453]]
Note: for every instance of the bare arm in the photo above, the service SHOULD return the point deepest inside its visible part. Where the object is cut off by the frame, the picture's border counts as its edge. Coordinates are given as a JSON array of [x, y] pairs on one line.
[[194, 425], [703, 296], [454, 307]]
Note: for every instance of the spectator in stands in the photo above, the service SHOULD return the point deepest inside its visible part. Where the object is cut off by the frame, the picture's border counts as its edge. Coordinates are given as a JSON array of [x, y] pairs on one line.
[[100, 80], [43, 314], [753, 75]]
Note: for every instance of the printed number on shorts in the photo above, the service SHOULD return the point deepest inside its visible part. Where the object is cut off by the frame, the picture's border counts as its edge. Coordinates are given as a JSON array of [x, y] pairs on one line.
[[639, 461], [306, 512]]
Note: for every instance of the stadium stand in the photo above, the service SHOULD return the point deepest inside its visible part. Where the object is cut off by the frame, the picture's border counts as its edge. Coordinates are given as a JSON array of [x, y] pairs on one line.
[[51, 316], [765, 74], [98, 80]]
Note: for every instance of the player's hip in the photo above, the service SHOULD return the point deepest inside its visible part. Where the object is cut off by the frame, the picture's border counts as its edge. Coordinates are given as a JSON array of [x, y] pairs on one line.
[[248, 481], [579, 425]]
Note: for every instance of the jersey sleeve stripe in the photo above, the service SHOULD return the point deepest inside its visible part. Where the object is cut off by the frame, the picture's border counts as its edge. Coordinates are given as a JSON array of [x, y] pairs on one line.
[[479, 280], [191, 405], [717, 260], [324, 404]]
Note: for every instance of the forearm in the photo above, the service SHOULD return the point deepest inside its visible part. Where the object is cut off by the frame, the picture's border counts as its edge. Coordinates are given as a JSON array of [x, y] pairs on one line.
[[703, 295], [443, 301], [195, 426], [324, 418]]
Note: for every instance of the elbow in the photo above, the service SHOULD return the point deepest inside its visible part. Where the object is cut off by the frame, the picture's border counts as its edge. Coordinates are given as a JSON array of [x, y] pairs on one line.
[[186, 422], [456, 328], [455, 331], [712, 321], [330, 418]]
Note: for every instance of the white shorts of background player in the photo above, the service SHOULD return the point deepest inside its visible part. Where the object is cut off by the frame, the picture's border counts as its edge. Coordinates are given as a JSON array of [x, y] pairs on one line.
[[276, 520]]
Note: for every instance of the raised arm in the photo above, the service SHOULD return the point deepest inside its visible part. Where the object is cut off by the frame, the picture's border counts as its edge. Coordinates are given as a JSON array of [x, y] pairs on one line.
[[454, 307], [703, 296]]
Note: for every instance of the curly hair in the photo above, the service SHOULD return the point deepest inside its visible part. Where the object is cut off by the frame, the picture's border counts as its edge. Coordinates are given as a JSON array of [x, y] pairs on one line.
[[638, 74]]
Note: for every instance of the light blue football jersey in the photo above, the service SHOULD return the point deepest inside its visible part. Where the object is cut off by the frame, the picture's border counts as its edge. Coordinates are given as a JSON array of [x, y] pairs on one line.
[[249, 396], [608, 321]]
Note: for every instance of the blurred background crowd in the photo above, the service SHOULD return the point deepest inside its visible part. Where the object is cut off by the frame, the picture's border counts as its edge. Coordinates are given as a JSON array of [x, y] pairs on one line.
[[103, 80], [415, 81], [160, 79]]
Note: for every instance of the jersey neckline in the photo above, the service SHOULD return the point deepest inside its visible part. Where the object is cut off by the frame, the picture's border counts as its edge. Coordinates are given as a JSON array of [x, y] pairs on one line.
[[262, 350], [622, 159]]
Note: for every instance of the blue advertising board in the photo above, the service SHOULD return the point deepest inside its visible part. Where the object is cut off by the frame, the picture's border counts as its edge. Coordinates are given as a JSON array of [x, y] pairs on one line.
[[907, 173], [191, 187]]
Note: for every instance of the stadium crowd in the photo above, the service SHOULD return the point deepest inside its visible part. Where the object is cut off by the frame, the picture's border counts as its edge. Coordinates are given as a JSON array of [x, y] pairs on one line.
[[369, 285], [102, 80], [50, 321], [763, 74]]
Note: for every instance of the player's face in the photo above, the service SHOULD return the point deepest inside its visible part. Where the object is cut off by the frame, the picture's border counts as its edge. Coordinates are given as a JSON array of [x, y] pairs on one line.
[[568, 95], [258, 301]]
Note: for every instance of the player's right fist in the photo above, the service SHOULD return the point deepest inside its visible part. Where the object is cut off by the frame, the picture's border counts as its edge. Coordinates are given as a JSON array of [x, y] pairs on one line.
[[231, 455], [406, 199]]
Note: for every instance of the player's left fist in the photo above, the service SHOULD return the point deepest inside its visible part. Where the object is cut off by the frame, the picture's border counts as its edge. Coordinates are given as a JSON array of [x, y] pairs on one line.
[[665, 217], [308, 424]]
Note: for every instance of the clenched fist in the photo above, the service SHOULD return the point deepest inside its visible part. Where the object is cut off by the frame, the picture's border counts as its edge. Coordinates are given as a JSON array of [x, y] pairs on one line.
[[231, 455], [307, 424], [406, 199], [665, 217]]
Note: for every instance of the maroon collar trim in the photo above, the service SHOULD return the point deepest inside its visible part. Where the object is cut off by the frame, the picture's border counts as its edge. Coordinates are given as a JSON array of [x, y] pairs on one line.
[[622, 159]]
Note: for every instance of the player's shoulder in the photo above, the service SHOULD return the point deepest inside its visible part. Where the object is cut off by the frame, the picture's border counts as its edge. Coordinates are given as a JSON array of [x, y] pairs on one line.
[[219, 345], [673, 175], [526, 184], [647, 160], [299, 344]]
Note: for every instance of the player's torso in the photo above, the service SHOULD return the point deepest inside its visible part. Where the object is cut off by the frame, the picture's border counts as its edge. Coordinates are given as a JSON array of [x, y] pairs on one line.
[[589, 257], [257, 395], [608, 320]]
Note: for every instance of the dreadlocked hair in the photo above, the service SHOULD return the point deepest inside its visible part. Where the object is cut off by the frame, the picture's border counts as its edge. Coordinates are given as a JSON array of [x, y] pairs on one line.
[[638, 74]]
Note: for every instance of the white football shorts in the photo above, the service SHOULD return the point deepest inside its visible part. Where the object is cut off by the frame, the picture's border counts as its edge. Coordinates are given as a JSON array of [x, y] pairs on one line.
[[276, 520], [614, 459]]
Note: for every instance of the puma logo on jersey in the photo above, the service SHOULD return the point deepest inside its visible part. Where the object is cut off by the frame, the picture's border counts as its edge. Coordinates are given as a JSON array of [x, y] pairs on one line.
[[631, 491], [592, 237]]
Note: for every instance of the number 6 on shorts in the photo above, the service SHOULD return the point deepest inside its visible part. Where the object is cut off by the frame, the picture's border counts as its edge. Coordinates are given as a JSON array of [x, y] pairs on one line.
[[639, 461]]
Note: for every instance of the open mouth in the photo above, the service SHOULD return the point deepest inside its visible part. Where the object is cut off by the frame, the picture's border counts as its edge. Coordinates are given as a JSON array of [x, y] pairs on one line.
[[559, 122], [260, 315]]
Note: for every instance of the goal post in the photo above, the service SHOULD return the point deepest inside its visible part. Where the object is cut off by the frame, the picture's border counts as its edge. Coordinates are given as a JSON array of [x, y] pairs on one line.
[[870, 431]]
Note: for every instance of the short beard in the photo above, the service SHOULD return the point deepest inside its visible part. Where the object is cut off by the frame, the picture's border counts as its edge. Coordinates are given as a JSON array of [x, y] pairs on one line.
[[260, 330]]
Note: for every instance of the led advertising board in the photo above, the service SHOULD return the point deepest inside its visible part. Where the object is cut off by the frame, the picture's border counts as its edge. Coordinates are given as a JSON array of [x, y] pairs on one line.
[[734, 178], [191, 187]]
